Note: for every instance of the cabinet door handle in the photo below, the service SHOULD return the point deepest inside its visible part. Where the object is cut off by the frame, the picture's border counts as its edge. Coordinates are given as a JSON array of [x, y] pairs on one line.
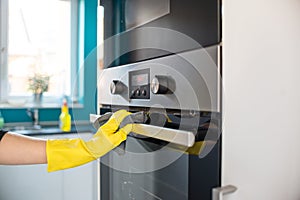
[[219, 192]]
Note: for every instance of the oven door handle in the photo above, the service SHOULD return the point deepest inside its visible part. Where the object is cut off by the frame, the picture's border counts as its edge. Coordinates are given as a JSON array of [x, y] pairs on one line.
[[180, 137]]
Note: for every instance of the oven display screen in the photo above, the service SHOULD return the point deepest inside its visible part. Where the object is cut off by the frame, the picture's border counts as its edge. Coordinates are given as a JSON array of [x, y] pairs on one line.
[[139, 87], [139, 80]]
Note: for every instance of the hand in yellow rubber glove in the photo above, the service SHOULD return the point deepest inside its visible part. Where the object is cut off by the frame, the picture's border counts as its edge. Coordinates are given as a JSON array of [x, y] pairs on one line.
[[67, 153]]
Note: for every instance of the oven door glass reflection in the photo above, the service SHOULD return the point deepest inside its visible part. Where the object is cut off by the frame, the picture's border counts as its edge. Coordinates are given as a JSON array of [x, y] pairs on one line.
[[147, 169]]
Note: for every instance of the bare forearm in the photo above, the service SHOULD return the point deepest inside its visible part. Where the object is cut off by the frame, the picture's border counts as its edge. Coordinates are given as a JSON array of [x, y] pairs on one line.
[[18, 149]]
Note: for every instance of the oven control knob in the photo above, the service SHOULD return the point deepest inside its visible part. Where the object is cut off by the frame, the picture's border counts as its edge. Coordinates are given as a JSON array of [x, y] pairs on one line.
[[117, 87], [138, 92], [162, 85], [132, 92]]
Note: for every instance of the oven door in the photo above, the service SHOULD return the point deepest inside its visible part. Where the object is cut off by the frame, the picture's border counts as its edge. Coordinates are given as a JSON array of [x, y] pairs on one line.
[[148, 168]]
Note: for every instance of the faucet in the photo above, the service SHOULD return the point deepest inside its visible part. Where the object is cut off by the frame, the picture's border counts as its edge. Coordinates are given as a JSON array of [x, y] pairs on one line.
[[34, 114]]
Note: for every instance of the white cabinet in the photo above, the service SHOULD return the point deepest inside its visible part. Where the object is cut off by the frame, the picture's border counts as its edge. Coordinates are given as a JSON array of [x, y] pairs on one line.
[[35, 183], [261, 69]]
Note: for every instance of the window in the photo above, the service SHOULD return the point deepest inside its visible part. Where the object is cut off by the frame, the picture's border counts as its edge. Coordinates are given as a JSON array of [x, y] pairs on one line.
[[38, 37]]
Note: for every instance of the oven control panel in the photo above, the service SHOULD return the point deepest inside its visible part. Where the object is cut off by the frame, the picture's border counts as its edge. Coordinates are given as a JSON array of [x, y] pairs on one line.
[[139, 84], [188, 81]]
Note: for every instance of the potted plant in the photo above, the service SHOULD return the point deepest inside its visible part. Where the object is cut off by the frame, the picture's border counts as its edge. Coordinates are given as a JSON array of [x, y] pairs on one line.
[[38, 84]]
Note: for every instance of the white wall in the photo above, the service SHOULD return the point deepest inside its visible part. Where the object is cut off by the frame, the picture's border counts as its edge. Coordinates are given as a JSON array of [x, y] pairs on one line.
[[261, 77]]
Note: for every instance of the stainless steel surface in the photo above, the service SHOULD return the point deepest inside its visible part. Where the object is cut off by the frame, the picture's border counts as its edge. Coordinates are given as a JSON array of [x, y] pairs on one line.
[[218, 193], [181, 137], [195, 74]]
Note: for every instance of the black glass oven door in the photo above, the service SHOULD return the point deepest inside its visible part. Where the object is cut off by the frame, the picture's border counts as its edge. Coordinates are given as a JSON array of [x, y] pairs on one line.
[[199, 20], [149, 169]]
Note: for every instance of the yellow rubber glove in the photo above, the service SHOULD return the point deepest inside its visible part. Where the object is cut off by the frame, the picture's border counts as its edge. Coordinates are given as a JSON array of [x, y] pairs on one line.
[[68, 153]]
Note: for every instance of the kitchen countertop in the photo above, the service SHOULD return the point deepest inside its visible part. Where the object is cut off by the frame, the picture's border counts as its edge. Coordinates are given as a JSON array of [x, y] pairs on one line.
[[50, 130]]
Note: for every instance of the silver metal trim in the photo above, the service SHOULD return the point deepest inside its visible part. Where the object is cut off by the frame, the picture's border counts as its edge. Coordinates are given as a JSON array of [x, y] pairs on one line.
[[219, 78], [181, 137], [218, 193]]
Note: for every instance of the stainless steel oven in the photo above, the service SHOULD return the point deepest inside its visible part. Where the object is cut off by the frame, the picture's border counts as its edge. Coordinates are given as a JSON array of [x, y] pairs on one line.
[[166, 63]]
